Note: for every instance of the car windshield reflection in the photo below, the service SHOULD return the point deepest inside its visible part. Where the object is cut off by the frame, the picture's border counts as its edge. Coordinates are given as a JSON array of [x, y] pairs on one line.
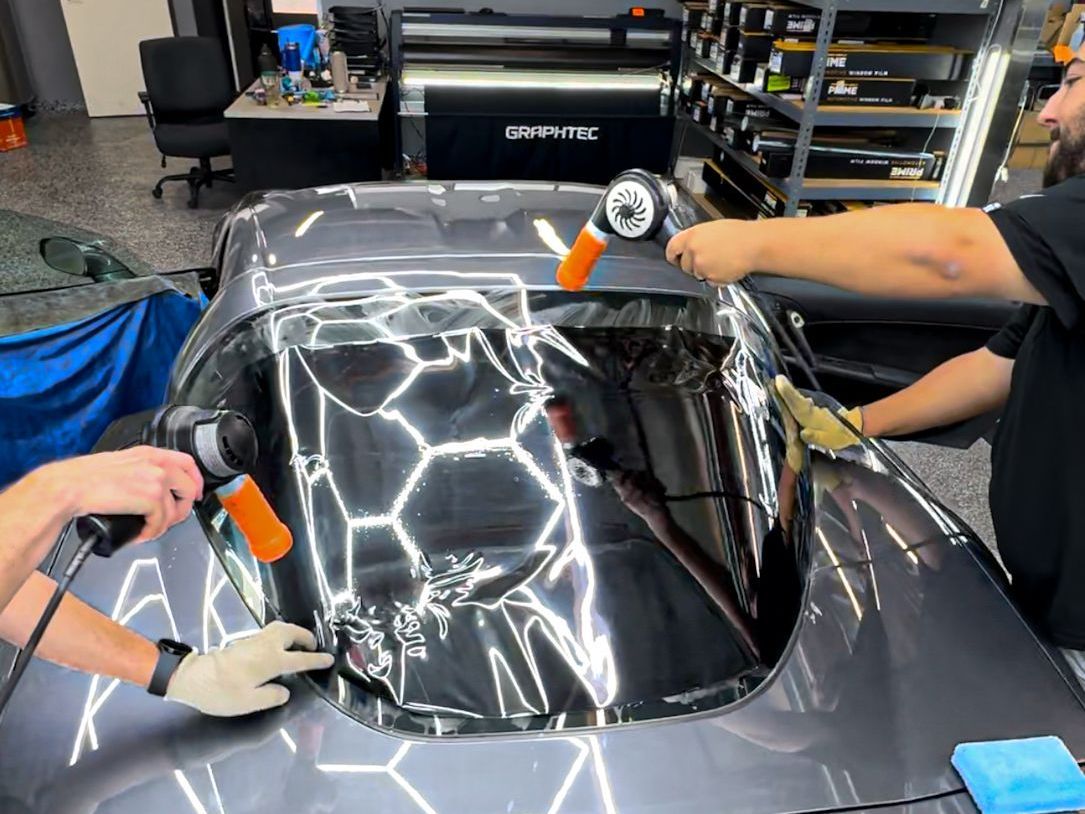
[[518, 510]]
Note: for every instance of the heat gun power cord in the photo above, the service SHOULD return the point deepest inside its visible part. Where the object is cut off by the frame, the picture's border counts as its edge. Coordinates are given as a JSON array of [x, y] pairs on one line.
[[27, 653]]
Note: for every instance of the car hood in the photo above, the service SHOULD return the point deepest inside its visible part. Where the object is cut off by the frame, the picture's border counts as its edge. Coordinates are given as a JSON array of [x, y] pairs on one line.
[[906, 647]]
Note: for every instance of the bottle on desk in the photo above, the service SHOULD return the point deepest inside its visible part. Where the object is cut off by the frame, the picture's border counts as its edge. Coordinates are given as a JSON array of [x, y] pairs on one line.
[[340, 75], [270, 78], [292, 63]]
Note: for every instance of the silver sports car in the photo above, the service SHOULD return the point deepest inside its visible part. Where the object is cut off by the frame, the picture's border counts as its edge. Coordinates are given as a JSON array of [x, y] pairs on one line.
[[552, 540]]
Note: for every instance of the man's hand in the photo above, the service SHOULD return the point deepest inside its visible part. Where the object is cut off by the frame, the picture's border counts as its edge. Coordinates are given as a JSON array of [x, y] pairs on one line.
[[721, 252], [238, 680], [158, 484], [819, 427]]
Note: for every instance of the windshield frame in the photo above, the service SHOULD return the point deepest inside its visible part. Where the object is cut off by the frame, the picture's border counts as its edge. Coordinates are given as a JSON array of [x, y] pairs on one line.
[[247, 579]]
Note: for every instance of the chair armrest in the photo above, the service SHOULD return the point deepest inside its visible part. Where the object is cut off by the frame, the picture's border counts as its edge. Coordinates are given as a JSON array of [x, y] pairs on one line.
[[145, 98]]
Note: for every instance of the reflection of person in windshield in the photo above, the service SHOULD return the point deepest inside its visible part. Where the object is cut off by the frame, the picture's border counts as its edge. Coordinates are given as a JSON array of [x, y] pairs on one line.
[[644, 495], [774, 592]]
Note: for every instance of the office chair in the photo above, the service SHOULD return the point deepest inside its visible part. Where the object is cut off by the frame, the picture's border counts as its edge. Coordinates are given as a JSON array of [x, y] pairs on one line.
[[189, 86]]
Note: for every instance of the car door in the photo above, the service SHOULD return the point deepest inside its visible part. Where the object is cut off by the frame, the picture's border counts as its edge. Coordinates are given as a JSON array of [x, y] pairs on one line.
[[866, 348]]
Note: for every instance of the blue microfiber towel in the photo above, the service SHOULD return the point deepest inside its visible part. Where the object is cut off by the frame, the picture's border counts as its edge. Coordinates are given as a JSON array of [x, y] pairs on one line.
[[1029, 776]]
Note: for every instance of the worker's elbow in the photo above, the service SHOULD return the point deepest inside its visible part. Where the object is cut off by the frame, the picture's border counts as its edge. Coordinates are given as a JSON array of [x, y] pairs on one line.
[[951, 255]]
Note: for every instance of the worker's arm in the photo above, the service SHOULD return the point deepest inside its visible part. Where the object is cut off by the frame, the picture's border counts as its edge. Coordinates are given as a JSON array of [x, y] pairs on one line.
[[79, 636], [908, 250], [159, 485], [236, 680], [962, 388]]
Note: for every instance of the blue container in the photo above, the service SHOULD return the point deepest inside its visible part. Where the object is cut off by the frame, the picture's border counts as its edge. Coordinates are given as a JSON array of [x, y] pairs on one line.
[[304, 36], [292, 58]]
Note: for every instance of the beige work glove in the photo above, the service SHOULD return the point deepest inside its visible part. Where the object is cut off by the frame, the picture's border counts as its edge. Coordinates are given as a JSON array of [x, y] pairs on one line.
[[237, 680], [818, 426]]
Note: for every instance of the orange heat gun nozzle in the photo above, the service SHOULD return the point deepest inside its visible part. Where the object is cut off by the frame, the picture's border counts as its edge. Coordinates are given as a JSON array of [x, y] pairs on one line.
[[268, 537], [576, 268]]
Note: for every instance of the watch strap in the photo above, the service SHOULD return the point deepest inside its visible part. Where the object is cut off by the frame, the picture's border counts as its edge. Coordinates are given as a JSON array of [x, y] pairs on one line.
[[170, 656]]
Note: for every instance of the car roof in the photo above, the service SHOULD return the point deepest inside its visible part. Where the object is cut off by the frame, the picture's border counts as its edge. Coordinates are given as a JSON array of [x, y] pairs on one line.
[[337, 225]]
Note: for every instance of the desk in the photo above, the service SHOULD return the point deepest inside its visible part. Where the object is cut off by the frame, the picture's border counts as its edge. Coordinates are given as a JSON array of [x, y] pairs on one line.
[[295, 146]]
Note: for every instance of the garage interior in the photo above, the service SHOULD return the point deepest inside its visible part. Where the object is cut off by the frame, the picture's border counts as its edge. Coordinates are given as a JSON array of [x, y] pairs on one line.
[[747, 106]]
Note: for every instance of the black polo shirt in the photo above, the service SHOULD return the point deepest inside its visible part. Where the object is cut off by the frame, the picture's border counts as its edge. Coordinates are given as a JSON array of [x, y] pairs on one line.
[[1037, 494]]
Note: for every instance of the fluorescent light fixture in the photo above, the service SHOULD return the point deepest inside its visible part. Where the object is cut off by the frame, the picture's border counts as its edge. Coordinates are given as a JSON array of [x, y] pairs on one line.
[[492, 33], [303, 227], [987, 88], [554, 80]]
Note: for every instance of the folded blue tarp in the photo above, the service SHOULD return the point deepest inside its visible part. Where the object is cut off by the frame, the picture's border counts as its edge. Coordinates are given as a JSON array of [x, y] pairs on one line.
[[61, 386]]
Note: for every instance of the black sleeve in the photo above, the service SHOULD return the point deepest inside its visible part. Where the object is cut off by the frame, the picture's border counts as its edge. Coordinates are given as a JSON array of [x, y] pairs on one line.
[[1046, 235], [1008, 341]]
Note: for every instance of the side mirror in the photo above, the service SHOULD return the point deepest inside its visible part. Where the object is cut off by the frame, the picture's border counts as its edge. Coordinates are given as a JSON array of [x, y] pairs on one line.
[[82, 260]]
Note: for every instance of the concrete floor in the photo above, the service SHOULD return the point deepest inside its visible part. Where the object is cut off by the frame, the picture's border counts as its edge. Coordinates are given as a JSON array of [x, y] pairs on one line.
[[98, 174]]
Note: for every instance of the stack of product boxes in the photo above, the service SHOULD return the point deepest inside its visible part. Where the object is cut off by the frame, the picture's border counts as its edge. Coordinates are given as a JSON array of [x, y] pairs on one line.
[[878, 60]]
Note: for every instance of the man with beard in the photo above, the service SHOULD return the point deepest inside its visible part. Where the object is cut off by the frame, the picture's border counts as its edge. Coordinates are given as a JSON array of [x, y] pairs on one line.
[[1030, 251]]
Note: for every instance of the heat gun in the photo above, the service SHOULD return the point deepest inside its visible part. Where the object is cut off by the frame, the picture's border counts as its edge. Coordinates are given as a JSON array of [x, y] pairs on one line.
[[636, 206], [223, 445]]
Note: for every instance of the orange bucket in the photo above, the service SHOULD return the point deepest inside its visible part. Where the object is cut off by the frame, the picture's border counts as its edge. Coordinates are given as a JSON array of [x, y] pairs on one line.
[[12, 132]]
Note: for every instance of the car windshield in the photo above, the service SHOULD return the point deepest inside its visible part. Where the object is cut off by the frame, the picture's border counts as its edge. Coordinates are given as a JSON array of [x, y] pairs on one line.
[[516, 510]]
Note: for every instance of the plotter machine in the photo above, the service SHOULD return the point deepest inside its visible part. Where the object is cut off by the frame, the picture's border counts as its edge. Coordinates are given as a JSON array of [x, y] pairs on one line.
[[498, 96]]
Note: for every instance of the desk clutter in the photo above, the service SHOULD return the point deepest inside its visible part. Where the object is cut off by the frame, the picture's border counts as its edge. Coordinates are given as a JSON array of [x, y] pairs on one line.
[[309, 74]]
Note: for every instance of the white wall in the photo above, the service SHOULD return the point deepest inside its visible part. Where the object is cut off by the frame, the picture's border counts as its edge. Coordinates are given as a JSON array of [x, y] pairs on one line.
[[48, 52]]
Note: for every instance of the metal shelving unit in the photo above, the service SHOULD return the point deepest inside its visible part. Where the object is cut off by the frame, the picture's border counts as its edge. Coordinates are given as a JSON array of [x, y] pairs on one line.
[[840, 115], [1011, 27]]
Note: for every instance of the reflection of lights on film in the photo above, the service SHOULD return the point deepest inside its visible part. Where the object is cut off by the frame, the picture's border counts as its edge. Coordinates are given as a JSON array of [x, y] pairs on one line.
[[839, 572], [587, 653], [96, 700]]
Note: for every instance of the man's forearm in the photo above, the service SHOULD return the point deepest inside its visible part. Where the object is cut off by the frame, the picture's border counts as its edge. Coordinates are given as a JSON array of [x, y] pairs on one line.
[[909, 250], [79, 636], [34, 512], [962, 388]]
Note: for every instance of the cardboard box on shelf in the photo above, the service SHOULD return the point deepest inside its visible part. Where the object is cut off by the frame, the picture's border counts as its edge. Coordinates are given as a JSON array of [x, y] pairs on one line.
[[1070, 24], [793, 21], [860, 164], [694, 13], [1032, 147], [883, 60], [868, 92], [1056, 16]]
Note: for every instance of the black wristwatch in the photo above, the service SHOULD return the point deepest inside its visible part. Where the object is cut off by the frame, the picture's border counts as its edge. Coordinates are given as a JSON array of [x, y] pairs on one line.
[[170, 656]]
